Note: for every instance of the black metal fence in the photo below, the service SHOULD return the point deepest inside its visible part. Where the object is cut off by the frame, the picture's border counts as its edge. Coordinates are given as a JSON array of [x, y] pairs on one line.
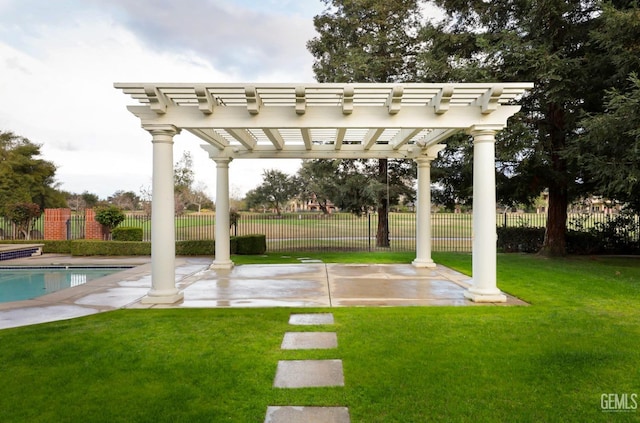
[[337, 231]]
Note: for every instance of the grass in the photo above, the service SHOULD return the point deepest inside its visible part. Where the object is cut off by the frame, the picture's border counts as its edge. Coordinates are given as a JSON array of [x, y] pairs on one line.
[[550, 361]]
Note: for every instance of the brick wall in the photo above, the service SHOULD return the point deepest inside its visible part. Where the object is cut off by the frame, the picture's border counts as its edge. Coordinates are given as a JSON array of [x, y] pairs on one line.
[[55, 223], [92, 229]]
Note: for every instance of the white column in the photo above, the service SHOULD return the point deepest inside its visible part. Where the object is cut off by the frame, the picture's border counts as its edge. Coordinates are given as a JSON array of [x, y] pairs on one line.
[[222, 254], [484, 288], [163, 237], [423, 215]]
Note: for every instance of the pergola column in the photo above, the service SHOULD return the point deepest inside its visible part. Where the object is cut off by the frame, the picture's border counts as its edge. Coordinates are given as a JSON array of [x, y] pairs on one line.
[[484, 288], [222, 254], [163, 246], [423, 215]]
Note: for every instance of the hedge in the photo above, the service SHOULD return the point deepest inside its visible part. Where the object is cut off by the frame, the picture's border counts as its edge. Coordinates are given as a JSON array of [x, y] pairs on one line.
[[244, 245], [127, 233]]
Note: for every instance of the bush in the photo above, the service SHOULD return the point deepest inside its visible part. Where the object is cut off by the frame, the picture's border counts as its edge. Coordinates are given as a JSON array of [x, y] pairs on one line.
[[195, 248], [111, 248], [251, 244], [520, 239], [583, 243], [127, 233]]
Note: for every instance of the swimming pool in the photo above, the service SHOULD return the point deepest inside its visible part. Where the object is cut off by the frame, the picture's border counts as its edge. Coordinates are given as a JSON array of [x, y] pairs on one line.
[[23, 283]]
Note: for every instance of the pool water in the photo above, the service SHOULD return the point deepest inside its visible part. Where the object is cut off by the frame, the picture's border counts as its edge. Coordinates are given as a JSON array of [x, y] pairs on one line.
[[21, 283]]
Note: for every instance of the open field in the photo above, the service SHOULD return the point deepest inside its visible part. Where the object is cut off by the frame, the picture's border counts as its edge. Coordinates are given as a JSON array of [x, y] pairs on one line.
[[552, 361]]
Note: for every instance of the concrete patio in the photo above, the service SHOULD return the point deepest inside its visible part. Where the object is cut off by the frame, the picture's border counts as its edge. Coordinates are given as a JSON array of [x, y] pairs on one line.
[[307, 284]]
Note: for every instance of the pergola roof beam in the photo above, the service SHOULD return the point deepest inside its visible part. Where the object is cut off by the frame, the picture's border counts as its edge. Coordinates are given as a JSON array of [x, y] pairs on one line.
[[206, 102], [157, 100], [394, 100], [442, 100], [403, 136], [210, 136], [436, 136], [254, 102], [306, 138], [243, 136], [275, 138], [372, 137]]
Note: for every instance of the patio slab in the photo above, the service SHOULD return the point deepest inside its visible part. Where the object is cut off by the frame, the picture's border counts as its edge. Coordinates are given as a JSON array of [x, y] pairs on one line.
[[309, 373], [311, 319], [309, 340], [293, 414]]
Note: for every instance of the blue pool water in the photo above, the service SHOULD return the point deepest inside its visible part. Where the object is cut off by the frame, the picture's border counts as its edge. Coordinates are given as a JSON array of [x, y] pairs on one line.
[[22, 283]]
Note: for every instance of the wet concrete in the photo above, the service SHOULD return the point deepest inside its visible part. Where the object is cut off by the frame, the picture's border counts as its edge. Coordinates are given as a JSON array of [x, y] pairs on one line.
[[309, 373], [309, 340], [292, 414], [291, 285]]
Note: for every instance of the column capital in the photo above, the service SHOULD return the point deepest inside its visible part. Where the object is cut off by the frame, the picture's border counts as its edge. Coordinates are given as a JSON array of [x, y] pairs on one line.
[[161, 130], [222, 161], [423, 161], [484, 130]]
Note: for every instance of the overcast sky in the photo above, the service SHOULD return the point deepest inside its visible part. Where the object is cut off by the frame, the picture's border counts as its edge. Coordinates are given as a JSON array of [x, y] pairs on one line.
[[60, 58]]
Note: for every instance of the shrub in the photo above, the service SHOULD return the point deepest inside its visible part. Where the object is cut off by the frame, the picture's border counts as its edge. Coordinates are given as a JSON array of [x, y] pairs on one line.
[[127, 233], [109, 217], [520, 239], [251, 244]]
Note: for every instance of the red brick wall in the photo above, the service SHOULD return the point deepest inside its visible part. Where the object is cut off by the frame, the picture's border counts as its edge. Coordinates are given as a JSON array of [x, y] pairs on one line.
[[92, 229], [55, 223]]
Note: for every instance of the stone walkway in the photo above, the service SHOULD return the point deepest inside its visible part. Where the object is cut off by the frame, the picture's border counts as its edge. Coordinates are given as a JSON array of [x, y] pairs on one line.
[[292, 374]]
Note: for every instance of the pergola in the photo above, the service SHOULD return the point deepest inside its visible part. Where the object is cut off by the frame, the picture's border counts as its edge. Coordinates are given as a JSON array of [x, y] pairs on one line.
[[324, 121]]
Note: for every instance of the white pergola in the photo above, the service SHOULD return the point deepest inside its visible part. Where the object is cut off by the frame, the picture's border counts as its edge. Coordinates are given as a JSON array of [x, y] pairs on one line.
[[324, 121]]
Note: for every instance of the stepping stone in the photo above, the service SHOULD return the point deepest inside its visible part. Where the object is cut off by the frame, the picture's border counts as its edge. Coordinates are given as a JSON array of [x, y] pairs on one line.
[[288, 414], [310, 261], [309, 373], [309, 340], [311, 319]]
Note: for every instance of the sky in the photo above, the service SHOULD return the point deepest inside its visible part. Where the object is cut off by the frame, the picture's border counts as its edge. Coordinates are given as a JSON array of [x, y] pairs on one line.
[[59, 60]]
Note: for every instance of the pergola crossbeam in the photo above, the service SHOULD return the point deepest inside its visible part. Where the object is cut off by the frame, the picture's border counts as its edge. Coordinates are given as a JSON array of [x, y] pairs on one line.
[[243, 136]]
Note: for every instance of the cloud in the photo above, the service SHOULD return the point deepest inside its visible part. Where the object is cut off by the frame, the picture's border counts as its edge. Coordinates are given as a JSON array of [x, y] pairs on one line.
[[236, 39], [59, 60]]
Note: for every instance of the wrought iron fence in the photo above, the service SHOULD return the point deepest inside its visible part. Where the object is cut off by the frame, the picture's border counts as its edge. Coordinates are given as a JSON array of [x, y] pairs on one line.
[[337, 231]]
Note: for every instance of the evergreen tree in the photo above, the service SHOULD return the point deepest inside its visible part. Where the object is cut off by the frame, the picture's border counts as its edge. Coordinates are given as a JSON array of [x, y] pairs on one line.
[[547, 42]]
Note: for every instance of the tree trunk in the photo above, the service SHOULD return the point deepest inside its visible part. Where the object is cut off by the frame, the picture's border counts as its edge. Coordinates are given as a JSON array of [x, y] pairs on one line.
[[382, 235], [555, 233]]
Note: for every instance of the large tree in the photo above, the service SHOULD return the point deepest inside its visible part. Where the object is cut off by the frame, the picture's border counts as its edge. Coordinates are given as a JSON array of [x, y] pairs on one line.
[[368, 41], [24, 176], [546, 42]]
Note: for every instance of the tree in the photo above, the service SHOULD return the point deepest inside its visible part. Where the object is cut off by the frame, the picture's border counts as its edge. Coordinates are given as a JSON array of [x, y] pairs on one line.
[[548, 43], [109, 217], [183, 178], [368, 41], [128, 200], [25, 178], [610, 147], [276, 190], [22, 216]]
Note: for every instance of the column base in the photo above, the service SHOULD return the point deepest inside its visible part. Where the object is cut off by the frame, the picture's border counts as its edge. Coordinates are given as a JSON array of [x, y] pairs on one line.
[[162, 299], [223, 264], [485, 297], [423, 263]]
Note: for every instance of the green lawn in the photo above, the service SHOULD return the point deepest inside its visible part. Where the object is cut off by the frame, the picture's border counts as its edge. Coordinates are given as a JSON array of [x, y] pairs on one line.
[[548, 362]]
